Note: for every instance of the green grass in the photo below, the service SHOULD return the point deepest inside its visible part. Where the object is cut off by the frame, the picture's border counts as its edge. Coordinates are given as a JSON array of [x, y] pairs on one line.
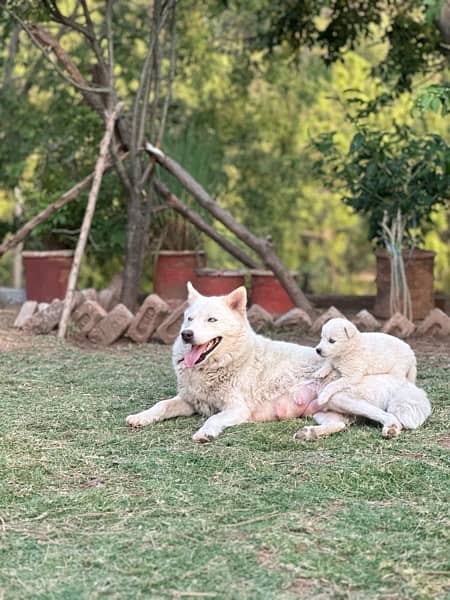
[[91, 509]]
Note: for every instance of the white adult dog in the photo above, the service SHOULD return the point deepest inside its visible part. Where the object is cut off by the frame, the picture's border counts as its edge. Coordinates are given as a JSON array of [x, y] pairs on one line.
[[354, 354], [227, 372]]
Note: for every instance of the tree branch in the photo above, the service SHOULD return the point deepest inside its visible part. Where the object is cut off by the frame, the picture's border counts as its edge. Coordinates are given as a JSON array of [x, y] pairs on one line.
[[43, 40], [199, 223], [262, 247]]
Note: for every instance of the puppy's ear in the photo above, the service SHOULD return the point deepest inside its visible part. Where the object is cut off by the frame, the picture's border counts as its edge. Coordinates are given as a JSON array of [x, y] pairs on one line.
[[193, 295], [350, 330], [237, 299]]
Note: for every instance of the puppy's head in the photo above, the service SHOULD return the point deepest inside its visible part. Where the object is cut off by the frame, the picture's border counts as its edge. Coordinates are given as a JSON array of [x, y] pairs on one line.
[[337, 338]]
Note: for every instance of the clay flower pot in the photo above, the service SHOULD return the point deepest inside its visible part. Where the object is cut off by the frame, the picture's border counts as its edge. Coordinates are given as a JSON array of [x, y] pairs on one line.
[[47, 274], [419, 266], [268, 292], [213, 282], [174, 268]]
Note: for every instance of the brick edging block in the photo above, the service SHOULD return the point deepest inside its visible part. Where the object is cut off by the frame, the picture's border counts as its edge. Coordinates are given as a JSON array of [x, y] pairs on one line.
[[112, 326], [170, 327], [149, 317]]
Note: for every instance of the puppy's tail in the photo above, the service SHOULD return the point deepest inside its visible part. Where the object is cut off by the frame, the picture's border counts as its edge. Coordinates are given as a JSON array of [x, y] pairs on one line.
[[410, 405]]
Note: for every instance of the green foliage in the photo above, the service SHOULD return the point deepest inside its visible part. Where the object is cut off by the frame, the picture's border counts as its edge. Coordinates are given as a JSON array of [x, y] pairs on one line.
[[435, 98], [387, 172], [242, 115], [337, 26], [413, 47]]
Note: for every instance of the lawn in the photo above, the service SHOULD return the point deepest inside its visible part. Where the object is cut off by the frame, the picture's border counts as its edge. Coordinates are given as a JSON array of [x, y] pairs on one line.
[[91, 509]]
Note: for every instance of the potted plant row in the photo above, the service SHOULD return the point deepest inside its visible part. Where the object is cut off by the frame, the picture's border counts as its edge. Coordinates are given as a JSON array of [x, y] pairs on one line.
[[179, 259]]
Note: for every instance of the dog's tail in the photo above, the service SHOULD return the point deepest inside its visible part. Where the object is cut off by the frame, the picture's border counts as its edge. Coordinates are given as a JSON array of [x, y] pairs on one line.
[[410, 405]]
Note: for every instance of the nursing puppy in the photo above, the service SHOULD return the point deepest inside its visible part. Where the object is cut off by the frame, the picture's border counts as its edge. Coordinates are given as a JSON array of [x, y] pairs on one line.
[[230, 374], [354, 355], [392, 401]]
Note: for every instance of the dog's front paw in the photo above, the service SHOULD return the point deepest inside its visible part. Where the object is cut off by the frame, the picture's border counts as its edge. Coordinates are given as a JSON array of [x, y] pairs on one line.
[[391, 431], [306, 433], [139, 420], [202, 437]]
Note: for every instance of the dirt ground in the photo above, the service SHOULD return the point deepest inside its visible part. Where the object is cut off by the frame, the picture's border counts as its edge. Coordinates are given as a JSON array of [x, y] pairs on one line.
[[436, 350]]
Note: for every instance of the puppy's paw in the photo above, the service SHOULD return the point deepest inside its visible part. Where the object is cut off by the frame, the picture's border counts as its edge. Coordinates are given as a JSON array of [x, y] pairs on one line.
[[202, 437], [391, 431], [320, 373], [306, 433]]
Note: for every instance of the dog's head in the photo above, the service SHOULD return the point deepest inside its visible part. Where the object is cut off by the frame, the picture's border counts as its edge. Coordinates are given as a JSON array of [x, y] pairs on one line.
[[212, 325], [337, 338]]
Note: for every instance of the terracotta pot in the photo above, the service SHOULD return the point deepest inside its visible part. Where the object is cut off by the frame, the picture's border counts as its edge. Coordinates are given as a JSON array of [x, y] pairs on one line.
[[211, 282], [268, 292], [419, 275], [47, 274], [174, 268]]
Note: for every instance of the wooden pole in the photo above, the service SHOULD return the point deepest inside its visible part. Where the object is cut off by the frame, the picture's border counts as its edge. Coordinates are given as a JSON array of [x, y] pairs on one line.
[[87, 220], [17, 264], [263, 247], [202, 225]]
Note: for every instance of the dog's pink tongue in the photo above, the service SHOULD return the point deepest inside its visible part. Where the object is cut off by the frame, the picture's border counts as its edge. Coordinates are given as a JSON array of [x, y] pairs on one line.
[[191, 357]]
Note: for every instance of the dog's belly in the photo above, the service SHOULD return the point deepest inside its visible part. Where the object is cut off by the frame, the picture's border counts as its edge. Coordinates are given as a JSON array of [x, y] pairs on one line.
[[300, 402]]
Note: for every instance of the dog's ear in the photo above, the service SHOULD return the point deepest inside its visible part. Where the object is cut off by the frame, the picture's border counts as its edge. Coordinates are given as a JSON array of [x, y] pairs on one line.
[[192, 293], [237, 299], [350, 330]]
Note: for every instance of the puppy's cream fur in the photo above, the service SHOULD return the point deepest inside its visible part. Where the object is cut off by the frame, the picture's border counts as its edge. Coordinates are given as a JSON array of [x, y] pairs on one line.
[[354, 355], [393, 402]]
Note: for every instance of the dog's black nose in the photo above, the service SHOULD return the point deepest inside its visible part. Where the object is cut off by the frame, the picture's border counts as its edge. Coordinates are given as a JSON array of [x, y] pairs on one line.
[[319, 351], [187, 335]]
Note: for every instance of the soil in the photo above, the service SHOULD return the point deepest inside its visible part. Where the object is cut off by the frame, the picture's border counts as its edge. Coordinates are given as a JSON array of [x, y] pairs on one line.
[[435, 349]]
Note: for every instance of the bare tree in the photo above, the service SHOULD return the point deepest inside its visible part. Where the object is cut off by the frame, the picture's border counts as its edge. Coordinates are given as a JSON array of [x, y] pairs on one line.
[[147, 116]]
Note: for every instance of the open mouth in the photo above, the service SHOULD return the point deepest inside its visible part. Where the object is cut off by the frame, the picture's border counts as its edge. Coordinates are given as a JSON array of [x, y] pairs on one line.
[[197, 354]]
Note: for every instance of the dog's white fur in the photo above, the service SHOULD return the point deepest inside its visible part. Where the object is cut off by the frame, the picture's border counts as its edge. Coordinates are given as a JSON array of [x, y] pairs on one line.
[[354, 354], [247, 378]]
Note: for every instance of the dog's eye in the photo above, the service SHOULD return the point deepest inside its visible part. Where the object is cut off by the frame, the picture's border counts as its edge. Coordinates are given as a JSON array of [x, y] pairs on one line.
[[212, 320], [331, 341], [190, 318]]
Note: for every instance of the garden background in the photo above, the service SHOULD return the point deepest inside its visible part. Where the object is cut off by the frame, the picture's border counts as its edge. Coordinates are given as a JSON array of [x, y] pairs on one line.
[[249, 97]]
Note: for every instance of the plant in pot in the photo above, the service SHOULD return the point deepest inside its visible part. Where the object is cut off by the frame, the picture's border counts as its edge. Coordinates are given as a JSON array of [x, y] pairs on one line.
[[178, 254], [396, 180], [48, 256]]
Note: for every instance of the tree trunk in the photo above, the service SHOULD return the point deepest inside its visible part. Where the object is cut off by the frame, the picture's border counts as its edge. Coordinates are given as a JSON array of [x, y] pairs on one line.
[[137, 233]]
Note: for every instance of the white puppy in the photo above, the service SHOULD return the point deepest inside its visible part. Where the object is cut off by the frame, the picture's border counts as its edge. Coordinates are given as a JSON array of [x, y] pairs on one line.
[[354, 355], [394, 402]]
